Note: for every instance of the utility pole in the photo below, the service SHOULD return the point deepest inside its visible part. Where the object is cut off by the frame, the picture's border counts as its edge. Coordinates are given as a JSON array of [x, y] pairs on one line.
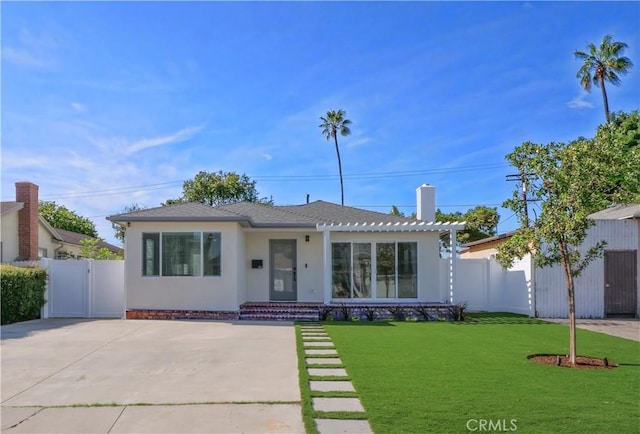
[[523, 179]]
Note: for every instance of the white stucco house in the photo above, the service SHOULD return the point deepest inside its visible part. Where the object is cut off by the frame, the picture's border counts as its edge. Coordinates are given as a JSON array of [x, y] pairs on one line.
[[193, 260]]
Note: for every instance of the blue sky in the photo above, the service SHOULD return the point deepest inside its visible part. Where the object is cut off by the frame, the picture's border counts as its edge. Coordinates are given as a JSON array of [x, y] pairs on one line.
[[109, 104]]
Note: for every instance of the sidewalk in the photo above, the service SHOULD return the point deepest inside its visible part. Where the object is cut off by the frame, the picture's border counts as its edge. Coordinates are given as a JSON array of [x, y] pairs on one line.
[[622, 328]]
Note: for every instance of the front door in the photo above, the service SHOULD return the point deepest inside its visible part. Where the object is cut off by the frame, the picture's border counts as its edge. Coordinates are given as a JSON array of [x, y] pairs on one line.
[[282, 255], [620, 274]]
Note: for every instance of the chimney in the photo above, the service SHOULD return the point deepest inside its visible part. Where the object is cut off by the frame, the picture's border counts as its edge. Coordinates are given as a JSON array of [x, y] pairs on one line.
[[27, 193], [426, 203]]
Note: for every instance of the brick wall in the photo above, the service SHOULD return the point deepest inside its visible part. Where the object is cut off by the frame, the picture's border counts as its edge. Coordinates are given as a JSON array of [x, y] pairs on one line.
[[27, 193], [181, 314]]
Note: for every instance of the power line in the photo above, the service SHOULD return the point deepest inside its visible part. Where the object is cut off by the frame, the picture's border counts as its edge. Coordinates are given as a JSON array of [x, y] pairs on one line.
[[279, 178]]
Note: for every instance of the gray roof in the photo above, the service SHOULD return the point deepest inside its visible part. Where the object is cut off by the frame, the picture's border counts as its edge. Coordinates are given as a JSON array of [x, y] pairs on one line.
[[261, 215], [618, 212], [9, 207], [75, 238]]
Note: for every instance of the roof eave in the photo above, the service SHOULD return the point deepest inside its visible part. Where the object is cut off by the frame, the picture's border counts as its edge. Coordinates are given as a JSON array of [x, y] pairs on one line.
[[414, 226], [120, 219]]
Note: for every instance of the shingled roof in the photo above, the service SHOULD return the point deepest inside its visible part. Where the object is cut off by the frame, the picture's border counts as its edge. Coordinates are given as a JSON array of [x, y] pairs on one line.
[[262, 215]]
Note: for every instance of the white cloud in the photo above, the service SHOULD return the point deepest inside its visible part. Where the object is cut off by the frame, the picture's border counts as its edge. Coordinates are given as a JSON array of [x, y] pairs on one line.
[[180, 136], [20, 57], [579, 102], [266, 156], [80, 108]]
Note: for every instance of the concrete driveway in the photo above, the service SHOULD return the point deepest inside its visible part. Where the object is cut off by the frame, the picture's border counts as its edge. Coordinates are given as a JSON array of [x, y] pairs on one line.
[[198, 377], [620, 327]]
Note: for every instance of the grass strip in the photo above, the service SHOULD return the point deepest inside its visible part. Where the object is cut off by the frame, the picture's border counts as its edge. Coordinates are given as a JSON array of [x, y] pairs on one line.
[[333, 394], [305, 390], [346, 415]]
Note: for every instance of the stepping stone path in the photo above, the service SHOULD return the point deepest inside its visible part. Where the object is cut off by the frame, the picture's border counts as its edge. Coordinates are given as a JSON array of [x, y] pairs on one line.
[[319, 350]]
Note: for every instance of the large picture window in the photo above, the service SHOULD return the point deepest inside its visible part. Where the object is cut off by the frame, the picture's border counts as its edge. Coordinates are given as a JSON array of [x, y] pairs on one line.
[[375, 270], [181, 254]]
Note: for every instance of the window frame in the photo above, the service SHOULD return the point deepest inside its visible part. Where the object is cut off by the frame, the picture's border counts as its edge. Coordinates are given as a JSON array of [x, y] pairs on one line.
[[159, 261], [373, 267]]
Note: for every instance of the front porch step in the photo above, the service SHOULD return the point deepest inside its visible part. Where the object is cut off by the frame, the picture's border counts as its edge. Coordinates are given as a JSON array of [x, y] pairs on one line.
[[263, 311]]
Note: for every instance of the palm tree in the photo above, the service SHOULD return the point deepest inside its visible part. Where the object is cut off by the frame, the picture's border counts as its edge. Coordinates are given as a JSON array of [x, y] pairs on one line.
[[603, 64], [335, 121]]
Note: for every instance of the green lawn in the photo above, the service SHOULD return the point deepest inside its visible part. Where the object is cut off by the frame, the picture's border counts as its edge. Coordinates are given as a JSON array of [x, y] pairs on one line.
[[434, 377]]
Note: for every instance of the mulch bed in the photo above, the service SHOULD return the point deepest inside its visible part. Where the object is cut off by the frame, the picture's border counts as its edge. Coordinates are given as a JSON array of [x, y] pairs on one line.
[[582, 362]]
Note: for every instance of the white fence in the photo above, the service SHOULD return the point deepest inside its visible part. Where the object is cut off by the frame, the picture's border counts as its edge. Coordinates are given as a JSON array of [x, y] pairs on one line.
[[84, 288], [484, 285]]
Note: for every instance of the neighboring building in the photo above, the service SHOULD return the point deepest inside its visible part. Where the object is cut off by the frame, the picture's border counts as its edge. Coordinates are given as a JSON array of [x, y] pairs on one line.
[[608, 287], [193, 257], [26, 236], [484, 248]]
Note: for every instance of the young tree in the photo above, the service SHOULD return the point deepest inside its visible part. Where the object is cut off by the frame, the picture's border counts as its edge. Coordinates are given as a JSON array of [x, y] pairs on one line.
[[333, 123], [482, 222], [218, 189], [90, 249], [570, 182], [60, 217], [602, 64]]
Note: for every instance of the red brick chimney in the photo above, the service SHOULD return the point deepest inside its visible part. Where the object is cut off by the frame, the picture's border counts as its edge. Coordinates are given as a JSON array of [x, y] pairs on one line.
[[27, 193]]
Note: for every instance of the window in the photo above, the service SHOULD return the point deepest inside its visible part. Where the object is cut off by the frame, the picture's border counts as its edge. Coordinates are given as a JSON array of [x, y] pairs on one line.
[[375, 270], [362, 270], [42, 252], [212, 249], [341, 266], [181, 254], [151, 254], [386, 270], [407, 270]]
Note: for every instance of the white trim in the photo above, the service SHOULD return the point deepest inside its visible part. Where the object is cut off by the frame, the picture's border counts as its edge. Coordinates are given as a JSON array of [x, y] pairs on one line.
[[415, 226], [326, 259]]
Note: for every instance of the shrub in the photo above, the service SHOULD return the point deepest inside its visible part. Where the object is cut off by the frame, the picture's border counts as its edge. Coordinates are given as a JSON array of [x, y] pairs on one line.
[[398, 313], [458, 311], [324, 312], [343, 312], [22, 293]]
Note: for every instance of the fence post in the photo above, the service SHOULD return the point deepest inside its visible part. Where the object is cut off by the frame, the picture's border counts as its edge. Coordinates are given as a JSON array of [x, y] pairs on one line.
[[44, 310]]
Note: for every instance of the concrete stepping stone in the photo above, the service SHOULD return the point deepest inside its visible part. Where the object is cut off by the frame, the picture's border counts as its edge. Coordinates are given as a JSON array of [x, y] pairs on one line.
[[323, 361], [317, 344], [314, 335], [315, 339], [320, 352], [343, 426], [327, 372], [331, 386], [336, 404]]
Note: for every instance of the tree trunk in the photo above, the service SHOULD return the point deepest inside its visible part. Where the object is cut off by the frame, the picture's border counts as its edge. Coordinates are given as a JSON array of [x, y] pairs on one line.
[[604, 98], [566, 264], [335, 137]]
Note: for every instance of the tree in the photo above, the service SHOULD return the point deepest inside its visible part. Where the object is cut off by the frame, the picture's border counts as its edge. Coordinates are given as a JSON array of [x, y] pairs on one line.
[[89, 249], [602, 64], [121, 229], [481, 223], [219, 188], [570, 182], [333, 123], [60, 217]]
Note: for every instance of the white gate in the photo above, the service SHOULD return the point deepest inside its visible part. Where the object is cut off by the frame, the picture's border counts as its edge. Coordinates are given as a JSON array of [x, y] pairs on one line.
[[84, 289]]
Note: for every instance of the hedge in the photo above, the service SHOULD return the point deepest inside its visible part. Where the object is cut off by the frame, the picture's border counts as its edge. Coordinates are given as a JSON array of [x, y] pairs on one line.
[[22, 293]]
